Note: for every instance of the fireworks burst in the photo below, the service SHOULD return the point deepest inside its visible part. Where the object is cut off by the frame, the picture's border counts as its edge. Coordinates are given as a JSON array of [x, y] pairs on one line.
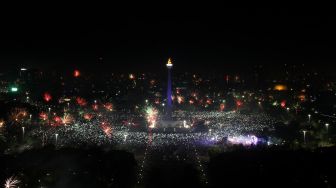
[[18, 114], [47, 97], [88, 116], [43, 116], [283, 103], [12, 182], [2, 123], [107, 129], [151, 116], [81, 101], [239, 103], [67, 119], [95, 107], [180, 99], [57, 121], [108, 106]]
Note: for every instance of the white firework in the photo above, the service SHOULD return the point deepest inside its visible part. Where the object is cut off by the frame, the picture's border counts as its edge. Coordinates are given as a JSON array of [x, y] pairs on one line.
[[12, 182]]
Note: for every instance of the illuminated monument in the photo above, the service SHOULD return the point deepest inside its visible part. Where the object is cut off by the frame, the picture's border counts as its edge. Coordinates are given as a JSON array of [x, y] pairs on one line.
[[169, 89], [168, 123]]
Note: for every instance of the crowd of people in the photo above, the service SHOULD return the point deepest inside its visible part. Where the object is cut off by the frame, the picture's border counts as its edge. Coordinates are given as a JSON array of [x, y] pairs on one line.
[[218, 125]]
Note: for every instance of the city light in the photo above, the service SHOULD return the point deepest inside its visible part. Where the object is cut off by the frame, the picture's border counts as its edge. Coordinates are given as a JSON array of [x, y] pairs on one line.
[[131, 76], [280, 87], [172, 101], [76, 73], [244, 140], [14, 89]]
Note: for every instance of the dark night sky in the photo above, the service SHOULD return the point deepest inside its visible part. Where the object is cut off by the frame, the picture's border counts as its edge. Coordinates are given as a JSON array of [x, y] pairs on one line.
[[229, 37]]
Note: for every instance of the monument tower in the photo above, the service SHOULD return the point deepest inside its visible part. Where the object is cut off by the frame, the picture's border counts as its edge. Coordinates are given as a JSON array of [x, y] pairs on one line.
[[169, 89]]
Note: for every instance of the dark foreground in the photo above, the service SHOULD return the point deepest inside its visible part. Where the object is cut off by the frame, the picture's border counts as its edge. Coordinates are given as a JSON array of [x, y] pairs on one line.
[[96, 168]]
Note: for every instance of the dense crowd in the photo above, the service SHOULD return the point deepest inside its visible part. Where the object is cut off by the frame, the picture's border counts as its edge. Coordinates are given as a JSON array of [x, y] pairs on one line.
[[219, 125]]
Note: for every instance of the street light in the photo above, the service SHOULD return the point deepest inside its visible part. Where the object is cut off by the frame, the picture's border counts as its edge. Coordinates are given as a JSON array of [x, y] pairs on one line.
[[309, 117], [23, 132], [14, 89], [304, 136], [56, 137], [327, 127]]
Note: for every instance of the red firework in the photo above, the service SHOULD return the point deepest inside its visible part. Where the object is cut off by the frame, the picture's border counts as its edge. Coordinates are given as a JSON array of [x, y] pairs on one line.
[[57, 121], [283, 103], [88, 116], [108, 106], [239, 103], [209, 101], [43, 116], [95, 107], [47, 97], [81, 101]]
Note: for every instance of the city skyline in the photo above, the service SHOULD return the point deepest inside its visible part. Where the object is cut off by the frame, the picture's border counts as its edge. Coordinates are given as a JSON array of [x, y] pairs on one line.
[[238, 97]]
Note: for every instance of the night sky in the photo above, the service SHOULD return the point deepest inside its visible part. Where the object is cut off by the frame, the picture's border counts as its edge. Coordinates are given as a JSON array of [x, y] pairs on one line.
[[208, 39]]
